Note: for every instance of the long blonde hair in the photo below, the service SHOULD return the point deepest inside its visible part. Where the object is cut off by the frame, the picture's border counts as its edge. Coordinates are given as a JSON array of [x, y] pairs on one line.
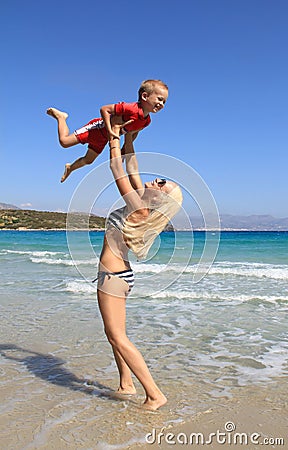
[[139, 236]]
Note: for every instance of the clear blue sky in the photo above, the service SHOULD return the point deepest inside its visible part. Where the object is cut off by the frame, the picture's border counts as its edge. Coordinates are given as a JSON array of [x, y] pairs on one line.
[[226, 65]]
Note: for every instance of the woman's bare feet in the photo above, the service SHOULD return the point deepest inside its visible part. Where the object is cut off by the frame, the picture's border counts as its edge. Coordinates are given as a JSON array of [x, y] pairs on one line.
[[66, 173], [56, 113], [152, 404]]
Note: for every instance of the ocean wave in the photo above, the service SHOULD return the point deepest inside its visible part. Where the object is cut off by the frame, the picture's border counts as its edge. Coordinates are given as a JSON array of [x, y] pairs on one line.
[[65, 262], [49, 257], [221, 269], [86, 287], [269, 363], [239, 298], [256, 270], [81, 287], [31, 252]]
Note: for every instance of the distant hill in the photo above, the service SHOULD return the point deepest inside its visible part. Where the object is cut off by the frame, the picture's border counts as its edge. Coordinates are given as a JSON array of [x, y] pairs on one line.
[[254, 222], [246, 223], [14, 218], [21, 219], [7, 206]]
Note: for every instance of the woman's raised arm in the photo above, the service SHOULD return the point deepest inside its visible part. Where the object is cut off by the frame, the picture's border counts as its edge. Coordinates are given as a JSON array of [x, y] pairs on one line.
[[132, 163], [131, 197]]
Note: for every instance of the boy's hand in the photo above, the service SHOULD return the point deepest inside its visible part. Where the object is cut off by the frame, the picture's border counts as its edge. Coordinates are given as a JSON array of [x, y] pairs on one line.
[[113, 135], [116, 129], [113, 124]]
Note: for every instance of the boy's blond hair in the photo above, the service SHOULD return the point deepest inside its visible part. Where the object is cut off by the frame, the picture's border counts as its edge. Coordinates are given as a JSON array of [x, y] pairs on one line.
[[140, 236], [149, 86]]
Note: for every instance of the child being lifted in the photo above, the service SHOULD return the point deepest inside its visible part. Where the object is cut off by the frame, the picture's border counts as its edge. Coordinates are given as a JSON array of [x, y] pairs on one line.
[[152, 96]]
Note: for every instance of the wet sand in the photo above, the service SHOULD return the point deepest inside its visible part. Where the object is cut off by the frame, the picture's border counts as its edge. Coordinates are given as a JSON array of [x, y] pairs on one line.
[[58, 421], [57, 389], [259, 420]]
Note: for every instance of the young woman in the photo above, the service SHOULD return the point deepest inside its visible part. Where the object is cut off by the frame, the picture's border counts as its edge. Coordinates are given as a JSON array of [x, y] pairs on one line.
[[148, 209]]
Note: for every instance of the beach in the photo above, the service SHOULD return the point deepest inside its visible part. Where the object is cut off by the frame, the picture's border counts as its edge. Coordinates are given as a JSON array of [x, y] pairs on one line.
[[217, 348], [257, 420]]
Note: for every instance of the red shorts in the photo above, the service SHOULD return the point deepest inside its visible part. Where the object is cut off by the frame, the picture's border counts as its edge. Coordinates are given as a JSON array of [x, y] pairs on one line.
[[94, 134]]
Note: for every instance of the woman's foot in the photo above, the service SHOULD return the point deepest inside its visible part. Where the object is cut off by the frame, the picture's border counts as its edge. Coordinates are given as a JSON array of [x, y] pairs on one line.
[[56, 113], [66, 173], [152, 404], [126, 390]]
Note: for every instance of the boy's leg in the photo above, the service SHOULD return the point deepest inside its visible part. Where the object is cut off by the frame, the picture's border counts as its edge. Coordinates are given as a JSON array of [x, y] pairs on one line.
[[65, 138], [90, 156]]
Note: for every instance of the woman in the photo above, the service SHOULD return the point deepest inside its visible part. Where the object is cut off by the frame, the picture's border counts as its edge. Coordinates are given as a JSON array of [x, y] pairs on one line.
[[135, 226]]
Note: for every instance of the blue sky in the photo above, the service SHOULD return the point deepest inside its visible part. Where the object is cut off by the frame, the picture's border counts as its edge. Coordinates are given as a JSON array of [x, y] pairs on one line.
[[226, 116]]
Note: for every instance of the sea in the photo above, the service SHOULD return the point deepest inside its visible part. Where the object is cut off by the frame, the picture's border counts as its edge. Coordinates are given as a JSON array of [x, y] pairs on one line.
[[204, 338]]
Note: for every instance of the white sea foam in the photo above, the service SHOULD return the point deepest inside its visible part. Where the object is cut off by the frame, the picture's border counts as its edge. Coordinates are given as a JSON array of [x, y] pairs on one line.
[[223, 268], [33, 253], [56, 258], [277, 272], [269, 271], [65, 262], [86, 287], [153, 268], [81, 287], [263, 367], [206, 295]]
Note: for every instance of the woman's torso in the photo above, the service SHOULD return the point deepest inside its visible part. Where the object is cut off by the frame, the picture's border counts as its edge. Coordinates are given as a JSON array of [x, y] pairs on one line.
[[114, 255]]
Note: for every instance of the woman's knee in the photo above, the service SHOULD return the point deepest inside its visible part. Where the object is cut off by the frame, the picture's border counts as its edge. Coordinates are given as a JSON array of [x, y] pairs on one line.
[[115, 339]]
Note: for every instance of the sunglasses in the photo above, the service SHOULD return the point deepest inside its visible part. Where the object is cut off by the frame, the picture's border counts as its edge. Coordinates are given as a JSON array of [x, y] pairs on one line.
[[161, 182]]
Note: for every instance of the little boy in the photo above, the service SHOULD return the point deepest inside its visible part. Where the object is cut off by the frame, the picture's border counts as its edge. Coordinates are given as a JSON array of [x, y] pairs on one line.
[[152, 96]]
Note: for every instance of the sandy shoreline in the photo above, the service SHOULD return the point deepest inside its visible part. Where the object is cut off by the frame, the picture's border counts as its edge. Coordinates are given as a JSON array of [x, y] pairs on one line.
[[258, 420], [254, 422], [50, 348]]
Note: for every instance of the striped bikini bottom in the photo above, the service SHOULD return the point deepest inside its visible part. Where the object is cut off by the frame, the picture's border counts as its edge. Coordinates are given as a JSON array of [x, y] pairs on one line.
[[108, 282]]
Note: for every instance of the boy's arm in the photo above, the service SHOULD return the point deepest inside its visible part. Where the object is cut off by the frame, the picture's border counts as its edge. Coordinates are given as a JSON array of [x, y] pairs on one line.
[[106, 112], [110, 119]]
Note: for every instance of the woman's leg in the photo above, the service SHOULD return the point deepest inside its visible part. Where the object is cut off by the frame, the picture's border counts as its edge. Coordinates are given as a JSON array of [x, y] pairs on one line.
[[65, 138], [80, 162], [113, 311], [126, 385]]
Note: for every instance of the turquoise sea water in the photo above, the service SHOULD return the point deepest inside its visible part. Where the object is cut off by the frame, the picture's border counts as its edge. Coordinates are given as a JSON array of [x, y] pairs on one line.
[[247, 283], [227, 331]]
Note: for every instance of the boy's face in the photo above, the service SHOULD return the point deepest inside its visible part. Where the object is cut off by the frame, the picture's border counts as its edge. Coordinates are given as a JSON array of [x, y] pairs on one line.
[[154, 102]]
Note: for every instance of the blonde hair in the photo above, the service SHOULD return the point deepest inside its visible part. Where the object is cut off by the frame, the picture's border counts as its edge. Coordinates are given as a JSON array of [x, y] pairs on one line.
[[149, 87], [140, 236]]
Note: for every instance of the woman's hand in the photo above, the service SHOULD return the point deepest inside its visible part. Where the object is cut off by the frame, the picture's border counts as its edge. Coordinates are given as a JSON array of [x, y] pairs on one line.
[[116, 129]]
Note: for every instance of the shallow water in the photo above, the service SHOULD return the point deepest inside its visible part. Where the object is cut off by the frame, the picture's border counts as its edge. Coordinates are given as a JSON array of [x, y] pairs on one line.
[[204, 342]]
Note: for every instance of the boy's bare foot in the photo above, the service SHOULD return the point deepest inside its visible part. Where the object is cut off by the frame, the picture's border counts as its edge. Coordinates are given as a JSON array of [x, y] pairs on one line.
[[56, 113], [66, 173], [155, 403]]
